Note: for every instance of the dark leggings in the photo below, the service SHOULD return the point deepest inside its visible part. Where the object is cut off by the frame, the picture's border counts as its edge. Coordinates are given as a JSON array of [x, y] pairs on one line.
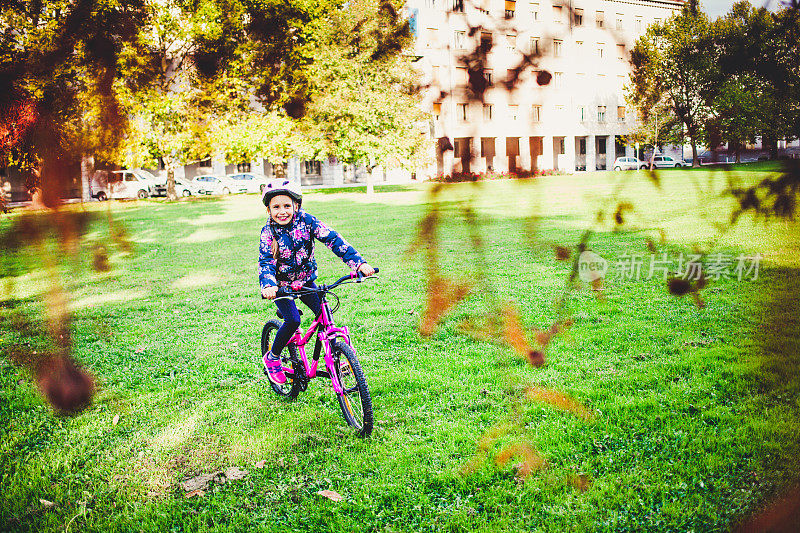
[[291, 317]]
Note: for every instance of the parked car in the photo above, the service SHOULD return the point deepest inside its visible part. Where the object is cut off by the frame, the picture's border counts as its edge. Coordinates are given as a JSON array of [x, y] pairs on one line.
[[185, 187], [208, 184], [248, 181], [665, 161], [122, 184], [628, 163]]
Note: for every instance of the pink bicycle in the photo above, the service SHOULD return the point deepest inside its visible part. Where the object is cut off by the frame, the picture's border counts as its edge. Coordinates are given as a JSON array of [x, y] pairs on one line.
[[334, 344]]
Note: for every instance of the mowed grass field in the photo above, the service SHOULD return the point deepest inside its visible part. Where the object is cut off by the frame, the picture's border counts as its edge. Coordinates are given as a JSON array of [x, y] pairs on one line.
[[695, 410]]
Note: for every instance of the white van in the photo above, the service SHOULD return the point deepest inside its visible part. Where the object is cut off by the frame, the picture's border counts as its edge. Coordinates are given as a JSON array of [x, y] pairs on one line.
[[123, 184]]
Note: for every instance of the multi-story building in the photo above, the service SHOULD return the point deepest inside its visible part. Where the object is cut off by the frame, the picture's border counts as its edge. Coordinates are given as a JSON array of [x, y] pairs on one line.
[[516, 85]]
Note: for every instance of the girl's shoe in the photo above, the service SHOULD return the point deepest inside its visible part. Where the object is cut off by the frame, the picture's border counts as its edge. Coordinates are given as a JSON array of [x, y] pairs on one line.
[[273, 369]]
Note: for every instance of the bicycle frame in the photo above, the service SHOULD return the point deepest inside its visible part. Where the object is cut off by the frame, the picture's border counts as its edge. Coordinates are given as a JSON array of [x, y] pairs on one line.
[[326, 331]]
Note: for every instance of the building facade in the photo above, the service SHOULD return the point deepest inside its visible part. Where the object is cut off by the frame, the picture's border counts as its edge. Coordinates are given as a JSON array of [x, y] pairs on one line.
[[518, 85]]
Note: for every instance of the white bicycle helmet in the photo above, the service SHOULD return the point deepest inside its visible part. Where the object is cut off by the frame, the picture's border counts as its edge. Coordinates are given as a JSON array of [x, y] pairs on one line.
[[284, 186]]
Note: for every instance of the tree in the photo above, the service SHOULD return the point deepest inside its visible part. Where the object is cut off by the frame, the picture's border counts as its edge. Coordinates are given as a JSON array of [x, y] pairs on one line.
[[759, 81], [169, 118], [674, 64], [363, 101], [271, 135], [738, 107], [60, 65]]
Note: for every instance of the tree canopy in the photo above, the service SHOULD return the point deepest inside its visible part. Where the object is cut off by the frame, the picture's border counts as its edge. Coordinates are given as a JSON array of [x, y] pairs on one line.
[[306, 78], [725, 81]]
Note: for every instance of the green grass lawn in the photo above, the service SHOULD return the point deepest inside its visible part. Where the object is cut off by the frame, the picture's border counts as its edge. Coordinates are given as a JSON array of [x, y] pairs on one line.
[[695, 409]]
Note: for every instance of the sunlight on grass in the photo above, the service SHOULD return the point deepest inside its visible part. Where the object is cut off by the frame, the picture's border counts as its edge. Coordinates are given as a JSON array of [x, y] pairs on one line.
[[108, 298], [204, 235], [177, 433], [28, 285], [196, 280]]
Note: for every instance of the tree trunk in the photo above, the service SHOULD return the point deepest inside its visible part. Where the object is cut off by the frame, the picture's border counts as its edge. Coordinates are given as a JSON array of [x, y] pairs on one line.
[[171, 194], [370, 179], [279, 170], [695, 161], [87, 169]]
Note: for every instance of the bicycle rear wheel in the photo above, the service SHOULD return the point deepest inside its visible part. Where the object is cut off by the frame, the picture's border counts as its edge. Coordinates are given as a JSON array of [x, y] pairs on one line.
[[355, 400], [294, 382]]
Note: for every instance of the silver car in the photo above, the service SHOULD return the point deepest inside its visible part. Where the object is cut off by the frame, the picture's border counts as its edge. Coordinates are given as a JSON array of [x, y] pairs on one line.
[[628, 163], [248, 181], [664, 161], [208, 184], [185, 187]]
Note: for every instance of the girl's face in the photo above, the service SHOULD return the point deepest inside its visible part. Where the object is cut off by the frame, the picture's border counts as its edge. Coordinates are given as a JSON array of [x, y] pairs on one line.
[[282, 209]]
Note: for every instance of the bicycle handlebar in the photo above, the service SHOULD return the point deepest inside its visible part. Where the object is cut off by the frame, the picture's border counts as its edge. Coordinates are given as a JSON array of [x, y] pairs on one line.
[[288, 292]]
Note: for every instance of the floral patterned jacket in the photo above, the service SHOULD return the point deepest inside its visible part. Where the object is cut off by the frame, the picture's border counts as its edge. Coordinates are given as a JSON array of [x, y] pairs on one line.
[[296, 261]]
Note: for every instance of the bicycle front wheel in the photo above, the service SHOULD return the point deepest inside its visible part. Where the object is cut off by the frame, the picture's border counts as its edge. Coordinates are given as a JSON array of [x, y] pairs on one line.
[[354, 400], [293, 385]]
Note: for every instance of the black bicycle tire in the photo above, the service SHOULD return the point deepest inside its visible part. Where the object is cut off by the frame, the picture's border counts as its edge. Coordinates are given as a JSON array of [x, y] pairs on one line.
[[365, 427], [288, 356]]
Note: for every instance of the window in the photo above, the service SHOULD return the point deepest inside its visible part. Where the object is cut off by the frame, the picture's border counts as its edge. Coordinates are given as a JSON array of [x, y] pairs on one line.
[[620, 22], [621, 113], [486, 41], [513, 112], [461, 40], [620, 81], [461, 111], [487, 112], [511, 42], [601, 113], [313, 167], [487, 75], [536, 113], [601, 80], [657, 21], [535, 46], [582, 146], [558, 14], [458, 6], [437, 110], [579, 47], [462, 76], [600, 47], [577, 17], [534, 10], [599, 17], [437, 74], [638, 23], [433, 38], [510, 8], [561, 111], [430, 3], [621, 54], [557, 46], [558, 79], [582, 113]]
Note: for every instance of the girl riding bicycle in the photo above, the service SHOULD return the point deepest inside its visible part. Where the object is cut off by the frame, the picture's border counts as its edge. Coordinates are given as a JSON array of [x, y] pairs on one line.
[[286, 259]]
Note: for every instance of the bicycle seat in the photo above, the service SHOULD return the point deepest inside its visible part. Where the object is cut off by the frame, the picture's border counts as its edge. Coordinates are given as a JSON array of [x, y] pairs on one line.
[[280, 315]]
